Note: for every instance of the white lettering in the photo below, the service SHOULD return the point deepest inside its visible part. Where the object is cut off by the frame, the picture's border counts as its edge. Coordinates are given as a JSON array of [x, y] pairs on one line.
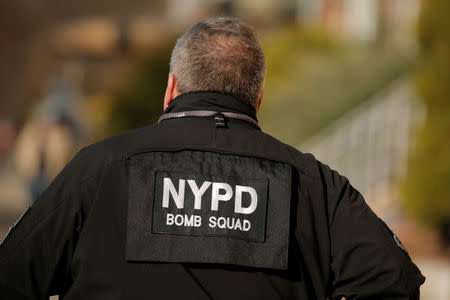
[[238, 224], [212, 222], [178, 196], [238, 201], [197, 221], [184, 220], [198, 193], [247, 225], [179, 220], [189, 221], [216, 196], [230, 223], [169, 219], [221, 222]]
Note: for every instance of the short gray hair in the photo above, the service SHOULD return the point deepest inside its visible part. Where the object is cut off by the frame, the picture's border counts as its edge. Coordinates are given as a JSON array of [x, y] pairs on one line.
[[221, 55]]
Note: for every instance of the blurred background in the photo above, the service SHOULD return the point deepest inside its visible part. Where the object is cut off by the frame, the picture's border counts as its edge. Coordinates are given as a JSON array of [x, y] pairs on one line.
[[364, 85]]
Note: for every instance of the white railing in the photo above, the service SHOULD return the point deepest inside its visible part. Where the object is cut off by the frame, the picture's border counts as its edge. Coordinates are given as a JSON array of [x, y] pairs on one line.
[[369, 145]]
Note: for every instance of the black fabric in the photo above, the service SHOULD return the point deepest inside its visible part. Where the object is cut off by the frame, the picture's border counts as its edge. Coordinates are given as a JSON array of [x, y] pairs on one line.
[[8, 293], [73, 240], [264, 245], [210, 101]]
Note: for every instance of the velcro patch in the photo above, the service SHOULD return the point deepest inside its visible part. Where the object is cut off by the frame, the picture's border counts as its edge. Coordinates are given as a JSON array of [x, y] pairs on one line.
[[209, 205], [205, 207]]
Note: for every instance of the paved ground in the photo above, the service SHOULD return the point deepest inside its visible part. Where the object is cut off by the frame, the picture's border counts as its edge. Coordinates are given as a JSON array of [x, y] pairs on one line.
[[437, 273], [431, 257]]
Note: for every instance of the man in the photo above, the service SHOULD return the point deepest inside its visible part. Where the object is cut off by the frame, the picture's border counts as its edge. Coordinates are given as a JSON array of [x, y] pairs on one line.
[[204, 205]]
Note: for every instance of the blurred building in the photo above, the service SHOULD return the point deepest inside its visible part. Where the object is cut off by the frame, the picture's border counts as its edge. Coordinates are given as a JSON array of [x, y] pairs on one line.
[[36, 39], [363, 21], [27, 55]]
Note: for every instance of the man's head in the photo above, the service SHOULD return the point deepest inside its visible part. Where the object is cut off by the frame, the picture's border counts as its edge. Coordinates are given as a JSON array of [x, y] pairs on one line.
[[221, 55]]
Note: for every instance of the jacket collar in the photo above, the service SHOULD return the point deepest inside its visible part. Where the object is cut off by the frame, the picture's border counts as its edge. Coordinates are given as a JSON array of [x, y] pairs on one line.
[[214, 101]]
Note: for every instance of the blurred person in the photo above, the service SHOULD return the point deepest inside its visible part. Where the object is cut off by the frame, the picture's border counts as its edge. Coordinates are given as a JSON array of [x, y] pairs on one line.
[[48, 140], [204, 205], [7, 139], [43, 149]]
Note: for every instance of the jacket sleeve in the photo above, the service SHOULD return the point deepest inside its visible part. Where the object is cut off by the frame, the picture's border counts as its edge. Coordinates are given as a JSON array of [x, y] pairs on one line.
[[36, 253], [368, 260]]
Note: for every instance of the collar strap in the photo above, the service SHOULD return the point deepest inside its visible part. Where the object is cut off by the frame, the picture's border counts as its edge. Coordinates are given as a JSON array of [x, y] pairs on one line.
[[208, 113]]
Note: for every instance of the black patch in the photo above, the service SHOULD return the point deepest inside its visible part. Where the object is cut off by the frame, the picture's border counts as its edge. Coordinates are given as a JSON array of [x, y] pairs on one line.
[[150, 239], [245, 219]]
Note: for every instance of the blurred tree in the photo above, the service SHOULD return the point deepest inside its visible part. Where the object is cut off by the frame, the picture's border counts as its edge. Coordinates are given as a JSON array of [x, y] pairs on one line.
[[139, 101], [426, 188], [320, 78]]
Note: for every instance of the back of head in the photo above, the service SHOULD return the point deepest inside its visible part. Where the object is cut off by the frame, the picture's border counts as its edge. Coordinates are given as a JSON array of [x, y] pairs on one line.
[[221, 55]]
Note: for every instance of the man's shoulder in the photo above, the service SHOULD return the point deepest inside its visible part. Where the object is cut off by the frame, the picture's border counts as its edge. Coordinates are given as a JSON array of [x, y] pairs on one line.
[[117, 147], [305, 163], [316, 172], [94, 158]]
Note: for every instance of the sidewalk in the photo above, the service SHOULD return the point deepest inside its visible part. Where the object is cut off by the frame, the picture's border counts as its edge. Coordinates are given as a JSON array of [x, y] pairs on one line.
[[430, 255], [437, 283]]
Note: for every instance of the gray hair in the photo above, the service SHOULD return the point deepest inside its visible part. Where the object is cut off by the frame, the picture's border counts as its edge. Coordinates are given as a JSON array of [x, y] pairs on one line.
[[222, 55]]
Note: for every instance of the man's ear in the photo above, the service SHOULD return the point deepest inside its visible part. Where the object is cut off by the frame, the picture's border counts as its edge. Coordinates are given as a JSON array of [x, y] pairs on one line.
[[261, 96], [171, 91]]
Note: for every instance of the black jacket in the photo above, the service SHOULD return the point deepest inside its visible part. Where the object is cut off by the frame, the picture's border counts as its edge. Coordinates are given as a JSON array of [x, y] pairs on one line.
[[101, 230]]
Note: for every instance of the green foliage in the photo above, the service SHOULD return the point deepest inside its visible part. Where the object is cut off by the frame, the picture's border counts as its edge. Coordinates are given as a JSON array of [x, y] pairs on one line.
[[284, 45], [426, 188], [434, 24], [139, 101], [319, 79]]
